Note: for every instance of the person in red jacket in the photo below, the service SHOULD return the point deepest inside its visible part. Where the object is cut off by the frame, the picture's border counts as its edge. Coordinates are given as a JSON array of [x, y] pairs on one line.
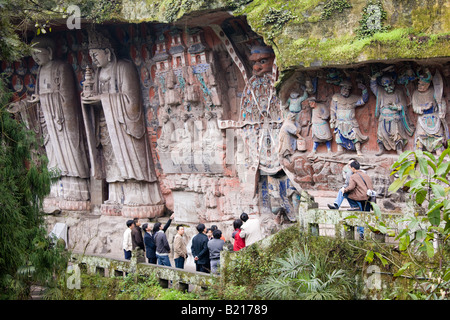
[[239, 243]]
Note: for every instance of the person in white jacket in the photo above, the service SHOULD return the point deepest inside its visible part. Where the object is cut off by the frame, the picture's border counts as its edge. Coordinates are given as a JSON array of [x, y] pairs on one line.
[[127, 245], [250, 229]]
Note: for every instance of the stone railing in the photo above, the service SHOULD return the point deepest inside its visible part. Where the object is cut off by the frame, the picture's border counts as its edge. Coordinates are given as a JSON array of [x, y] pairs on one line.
[[345, 224], [353, 225], [109, 267], [349, 225]]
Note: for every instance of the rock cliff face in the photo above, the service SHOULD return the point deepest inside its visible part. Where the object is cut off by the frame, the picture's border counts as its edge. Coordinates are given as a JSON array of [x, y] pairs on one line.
[[244, 104]]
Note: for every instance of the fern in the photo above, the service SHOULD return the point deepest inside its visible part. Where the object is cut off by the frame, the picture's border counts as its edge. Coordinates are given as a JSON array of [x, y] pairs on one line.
[[300, 276]]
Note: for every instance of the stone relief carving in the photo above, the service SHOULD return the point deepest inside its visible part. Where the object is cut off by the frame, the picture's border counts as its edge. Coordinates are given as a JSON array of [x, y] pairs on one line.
[[427, 103], [320, 128], [393, 122], [195, 85], [55, 108], [260, 110], [343, 121], [189, 93], [118, 142]]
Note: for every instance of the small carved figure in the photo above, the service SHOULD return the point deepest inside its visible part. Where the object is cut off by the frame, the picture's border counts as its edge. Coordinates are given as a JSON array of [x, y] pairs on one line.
[[427, 102], [393, 125], [166, 138], [288, 139], [342, 111], [294, 102], [320, 128]]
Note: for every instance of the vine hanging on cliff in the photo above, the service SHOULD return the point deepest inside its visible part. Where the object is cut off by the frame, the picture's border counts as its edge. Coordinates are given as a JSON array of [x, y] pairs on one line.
[[372, 19], [332, 6], [277, 19]]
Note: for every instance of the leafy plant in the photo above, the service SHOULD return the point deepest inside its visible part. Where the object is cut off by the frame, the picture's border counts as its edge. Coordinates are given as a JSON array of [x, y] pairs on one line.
[[423, 240], [301, 276], [333, 6], [28, 254], [276, 19], [425, 176]]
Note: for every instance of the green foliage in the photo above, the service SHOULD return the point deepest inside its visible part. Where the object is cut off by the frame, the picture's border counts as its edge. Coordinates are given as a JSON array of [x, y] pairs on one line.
[[235, 4], [425, 176], [301, 276], [278, 263], [276, 19], [333, 6], [27, 253], [423, 239], [99, 11], [132, 287], [249, 267]]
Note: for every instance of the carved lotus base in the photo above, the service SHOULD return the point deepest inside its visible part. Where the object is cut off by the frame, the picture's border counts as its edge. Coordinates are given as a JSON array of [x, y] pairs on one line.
[[51, 205], [141, 211]]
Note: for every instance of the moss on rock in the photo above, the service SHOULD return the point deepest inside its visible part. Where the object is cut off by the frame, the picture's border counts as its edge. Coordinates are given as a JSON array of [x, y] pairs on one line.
[[415, 31]]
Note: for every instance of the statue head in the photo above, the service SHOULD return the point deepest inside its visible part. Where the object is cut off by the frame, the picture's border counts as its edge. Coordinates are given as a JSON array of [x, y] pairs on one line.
[[387, 82], [424, 81], [262, 58], [294, 95], [45, 48], [346, 87], [101, 49]]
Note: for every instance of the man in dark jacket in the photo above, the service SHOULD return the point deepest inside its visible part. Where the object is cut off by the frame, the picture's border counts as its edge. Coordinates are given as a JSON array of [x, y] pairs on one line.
[[162, 247], [136, 235], [149, 240], [215, 246], [200, 250]]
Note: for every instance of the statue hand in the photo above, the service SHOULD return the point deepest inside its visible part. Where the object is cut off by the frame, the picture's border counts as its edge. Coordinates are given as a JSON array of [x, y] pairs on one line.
[[34, 98], [332, 123], [361, 86], [90, 99], [395, 107]]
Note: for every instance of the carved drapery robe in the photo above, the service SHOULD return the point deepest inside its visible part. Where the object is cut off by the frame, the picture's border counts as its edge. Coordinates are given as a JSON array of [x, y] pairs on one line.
[[64, 134], [346, 126], [320, 128], [430, 127], [129, 159], [393, 123]]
